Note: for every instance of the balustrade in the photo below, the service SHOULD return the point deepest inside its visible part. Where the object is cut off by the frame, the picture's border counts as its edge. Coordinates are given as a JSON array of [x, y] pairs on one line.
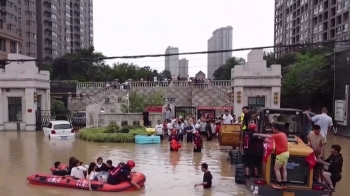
[[151, 84]]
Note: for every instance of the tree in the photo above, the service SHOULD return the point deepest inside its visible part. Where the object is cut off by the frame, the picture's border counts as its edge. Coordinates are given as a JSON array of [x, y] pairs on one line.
[[165, 74], [309, 79], [81, 66], [57, 107], [138, 102], [224, 71]]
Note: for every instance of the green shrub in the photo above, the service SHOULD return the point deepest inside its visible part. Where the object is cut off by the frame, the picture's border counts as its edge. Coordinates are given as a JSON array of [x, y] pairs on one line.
[[124, 130], [112, 128], [112, 133]]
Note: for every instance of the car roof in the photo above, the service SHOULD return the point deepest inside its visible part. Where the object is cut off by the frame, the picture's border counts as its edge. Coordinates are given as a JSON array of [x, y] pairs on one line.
[[59, 122], [283, 109]]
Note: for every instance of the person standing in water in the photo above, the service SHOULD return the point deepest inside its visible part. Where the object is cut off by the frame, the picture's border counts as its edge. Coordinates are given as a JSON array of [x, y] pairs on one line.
[[189, 129], [207, 177], [159, 130], [197, 143], [173, 138]]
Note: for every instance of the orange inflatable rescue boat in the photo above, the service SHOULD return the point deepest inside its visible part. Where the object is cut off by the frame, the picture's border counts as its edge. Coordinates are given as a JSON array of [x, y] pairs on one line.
[[71, 182]]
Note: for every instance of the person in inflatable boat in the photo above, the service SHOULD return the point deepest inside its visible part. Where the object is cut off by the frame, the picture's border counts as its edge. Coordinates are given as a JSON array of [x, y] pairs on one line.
[[59, 171], [122, 173], [174, 141], [197, 142]]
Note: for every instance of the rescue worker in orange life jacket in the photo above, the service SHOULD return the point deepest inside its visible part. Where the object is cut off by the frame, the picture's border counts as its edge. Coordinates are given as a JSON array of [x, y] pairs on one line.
[[197, 142], [173, 137], [251, 148], [122, 173]]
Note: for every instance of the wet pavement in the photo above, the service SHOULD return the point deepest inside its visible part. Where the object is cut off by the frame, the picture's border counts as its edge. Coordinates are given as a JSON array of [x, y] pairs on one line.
[[171, 174]]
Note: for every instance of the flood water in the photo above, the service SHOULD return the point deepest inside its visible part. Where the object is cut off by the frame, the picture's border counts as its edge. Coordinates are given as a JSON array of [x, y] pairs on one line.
[[171, 174]]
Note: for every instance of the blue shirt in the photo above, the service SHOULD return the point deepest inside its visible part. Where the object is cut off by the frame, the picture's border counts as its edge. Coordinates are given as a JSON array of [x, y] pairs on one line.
[[308, 123]]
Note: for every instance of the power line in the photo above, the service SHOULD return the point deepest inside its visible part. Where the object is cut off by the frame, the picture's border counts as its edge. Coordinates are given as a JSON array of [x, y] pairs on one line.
[[174, 54]]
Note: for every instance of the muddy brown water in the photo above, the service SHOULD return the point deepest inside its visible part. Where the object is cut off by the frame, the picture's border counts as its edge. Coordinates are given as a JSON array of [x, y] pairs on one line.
[[171, 174]]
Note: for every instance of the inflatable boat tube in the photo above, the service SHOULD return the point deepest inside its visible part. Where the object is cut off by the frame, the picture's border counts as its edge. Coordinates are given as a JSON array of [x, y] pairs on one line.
[[151, 130], [71, 182]]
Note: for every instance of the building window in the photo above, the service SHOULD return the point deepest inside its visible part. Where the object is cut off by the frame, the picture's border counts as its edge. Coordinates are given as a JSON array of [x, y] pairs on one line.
[[256, 103], [15, 108], [2, 44], [13, 47]]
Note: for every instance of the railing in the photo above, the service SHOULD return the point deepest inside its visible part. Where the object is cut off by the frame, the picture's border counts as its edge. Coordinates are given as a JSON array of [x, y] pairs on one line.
[[91, 84], [222, 83], [150, 84], [63, 83], [214, 85]]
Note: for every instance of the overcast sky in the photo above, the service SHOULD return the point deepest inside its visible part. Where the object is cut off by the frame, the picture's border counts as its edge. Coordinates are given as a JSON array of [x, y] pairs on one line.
[[137, 27]]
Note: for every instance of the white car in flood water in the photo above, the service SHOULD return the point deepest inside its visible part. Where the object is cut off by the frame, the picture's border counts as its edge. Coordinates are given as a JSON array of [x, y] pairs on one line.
[[59, 129]]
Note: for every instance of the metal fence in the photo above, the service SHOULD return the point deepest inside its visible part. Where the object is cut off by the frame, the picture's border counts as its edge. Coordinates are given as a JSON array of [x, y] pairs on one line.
[[76, 118], [185, 111]]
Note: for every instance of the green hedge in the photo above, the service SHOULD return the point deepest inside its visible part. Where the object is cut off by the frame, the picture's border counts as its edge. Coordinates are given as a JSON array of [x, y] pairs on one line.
[[112, 133]]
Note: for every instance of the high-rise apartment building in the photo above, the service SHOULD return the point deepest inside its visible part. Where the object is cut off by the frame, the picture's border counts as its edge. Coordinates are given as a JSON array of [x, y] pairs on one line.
[[309, 21], [220, 40], [9, 41], [172, 62], [49, 29], [183, 68]]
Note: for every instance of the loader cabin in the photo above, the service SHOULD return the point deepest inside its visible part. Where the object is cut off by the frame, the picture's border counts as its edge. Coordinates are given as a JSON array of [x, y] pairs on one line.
[[292, 119]]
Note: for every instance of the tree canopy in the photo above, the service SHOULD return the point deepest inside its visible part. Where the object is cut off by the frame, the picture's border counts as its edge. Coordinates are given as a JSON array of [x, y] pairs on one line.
[[224, 71], [80, 66], [138, 101], [307, 76]]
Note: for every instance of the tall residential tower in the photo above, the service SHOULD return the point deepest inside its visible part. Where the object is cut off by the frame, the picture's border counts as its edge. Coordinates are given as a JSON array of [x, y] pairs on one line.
[[49, 29], [172, 62], [183, 69], [220, 40], [309, 21]]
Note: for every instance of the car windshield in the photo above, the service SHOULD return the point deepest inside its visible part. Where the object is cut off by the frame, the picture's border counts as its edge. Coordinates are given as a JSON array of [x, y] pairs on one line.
[[62, 126], [292, 122]]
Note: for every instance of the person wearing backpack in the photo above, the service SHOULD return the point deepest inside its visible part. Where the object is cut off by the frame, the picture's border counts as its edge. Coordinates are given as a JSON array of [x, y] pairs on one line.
[[122, 173]]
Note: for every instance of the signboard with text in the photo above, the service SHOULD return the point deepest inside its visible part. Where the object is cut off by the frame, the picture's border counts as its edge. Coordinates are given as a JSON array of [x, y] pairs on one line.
[[229, 108], [154, 108]]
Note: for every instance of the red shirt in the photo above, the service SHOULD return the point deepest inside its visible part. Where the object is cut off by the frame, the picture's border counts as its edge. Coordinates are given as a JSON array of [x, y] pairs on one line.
[[281, 142]]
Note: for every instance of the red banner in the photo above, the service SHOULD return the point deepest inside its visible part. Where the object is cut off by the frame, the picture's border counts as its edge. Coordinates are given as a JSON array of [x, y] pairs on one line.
[[268, 146], [154, 108], [311, 160], [215, 108]]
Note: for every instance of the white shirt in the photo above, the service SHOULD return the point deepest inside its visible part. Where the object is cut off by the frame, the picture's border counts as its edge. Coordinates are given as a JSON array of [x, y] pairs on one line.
[[227, 119], [155, 78], [92, 175], [324, 121], [159, 129], [77, 173], [82, 168], [169, 126]]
